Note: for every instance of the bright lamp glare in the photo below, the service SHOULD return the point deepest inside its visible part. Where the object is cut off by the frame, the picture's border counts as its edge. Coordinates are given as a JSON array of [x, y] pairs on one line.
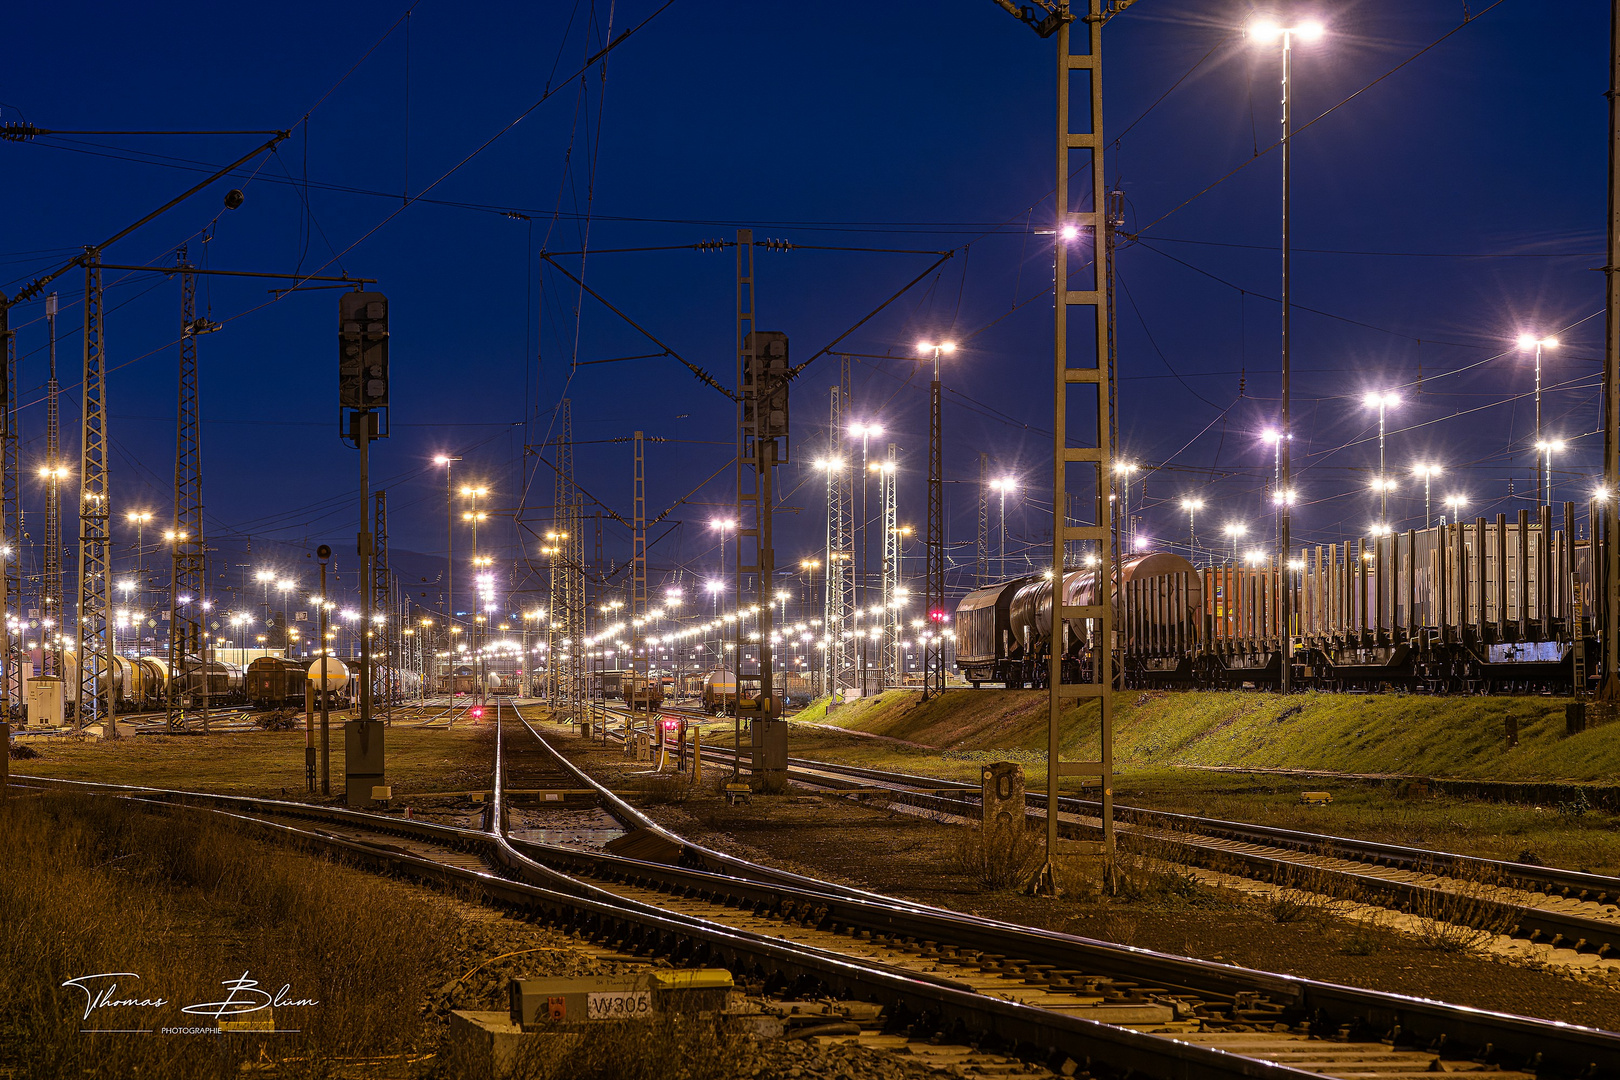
[[1069, 232], [1264, 30], [1527, 341], [1309, 31]]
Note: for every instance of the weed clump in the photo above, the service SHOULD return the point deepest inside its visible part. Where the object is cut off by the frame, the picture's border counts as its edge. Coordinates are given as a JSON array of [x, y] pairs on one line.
[[1465, 915], [662, 789], [277, 720], [997, 858]]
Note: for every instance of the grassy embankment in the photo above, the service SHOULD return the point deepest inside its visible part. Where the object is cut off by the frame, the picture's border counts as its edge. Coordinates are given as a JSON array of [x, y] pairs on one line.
[[264, 763], [1157, 735]]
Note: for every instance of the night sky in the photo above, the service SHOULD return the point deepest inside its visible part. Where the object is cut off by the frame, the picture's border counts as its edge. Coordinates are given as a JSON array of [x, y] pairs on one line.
[[1448, 201]]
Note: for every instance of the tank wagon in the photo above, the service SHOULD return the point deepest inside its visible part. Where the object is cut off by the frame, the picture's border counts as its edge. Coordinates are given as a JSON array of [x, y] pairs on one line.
[[138, 684], [719, 695], [1476, 606]]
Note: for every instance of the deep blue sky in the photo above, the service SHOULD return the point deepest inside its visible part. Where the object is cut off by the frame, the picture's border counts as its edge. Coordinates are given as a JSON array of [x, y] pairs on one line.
[[1437, 213]]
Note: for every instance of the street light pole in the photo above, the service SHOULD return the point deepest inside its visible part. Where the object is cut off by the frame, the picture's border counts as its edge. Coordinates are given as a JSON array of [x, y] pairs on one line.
[[1428, 472], [1192, 506], [1235, 529], [934, 592], [1382, 400], [1527, 342], [1124, 469], [1266, 31], [1546, 447], [449, 562], [1003, 485]]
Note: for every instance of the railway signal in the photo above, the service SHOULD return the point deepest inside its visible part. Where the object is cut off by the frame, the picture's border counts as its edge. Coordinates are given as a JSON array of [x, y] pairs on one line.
[[363, 351], [363, 411]]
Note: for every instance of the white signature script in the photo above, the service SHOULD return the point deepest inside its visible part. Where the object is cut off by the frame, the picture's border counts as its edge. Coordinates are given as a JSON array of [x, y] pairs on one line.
[[244, 996]]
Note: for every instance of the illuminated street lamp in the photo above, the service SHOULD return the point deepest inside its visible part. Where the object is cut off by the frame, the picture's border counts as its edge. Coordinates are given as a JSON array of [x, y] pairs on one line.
[[1004, 484], [139, 518], [1426, 473], [1455, 504], [449, 463], [863, 587], [1383, 401], [1236, 530], [1526, 343], [1547, 448], [1122, 469], [1192, 506], [1264, 32]]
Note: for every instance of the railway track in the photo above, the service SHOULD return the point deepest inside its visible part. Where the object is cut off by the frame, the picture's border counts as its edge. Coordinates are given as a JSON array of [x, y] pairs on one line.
[[935, 973], [1540, 904]]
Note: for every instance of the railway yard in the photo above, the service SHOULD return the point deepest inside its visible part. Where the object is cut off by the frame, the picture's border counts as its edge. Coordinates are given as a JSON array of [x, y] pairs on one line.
[[840, 553], [858, 893]]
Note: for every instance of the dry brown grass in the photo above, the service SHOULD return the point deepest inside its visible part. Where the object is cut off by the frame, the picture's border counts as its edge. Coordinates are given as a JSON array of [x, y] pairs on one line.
[[669, 1046], [90, 886], [1465, 915], [662, 789], [997, 858]]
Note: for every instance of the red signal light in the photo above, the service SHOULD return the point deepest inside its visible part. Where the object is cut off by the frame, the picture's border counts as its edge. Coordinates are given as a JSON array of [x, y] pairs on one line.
[[478, 714], [937, 615]]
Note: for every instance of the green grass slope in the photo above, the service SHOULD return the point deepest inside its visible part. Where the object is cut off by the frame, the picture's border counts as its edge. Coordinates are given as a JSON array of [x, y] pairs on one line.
[[1461, 737]]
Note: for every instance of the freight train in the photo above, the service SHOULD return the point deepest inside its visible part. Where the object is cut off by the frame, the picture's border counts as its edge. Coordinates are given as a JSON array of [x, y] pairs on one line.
[[141, 684], [631, 686], [1477, 606]]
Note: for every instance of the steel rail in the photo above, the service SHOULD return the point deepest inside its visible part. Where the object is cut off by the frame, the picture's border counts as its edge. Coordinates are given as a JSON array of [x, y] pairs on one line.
[[1570, 1049], [1558, 928], [1529, 920]]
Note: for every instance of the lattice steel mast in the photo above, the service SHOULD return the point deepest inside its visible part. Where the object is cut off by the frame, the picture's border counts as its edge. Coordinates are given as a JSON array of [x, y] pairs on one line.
[[382, 596], [838, 655], [51, 587], [981, 570], [568, 657], [890, 622], [11, 504], [188, 632], [92, 643], [762, 444], [1088, 307], [640, 649]]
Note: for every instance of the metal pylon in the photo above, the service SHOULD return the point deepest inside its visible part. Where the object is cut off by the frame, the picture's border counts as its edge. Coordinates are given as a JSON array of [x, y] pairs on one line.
[[188, 630], [11, 505], [891, 624], [640, 660], [1091, 378], [382, 597], [840, 581], [934, 593], [981, 570], [51, 586], [575, 570], [92, 641], [567, 658]]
